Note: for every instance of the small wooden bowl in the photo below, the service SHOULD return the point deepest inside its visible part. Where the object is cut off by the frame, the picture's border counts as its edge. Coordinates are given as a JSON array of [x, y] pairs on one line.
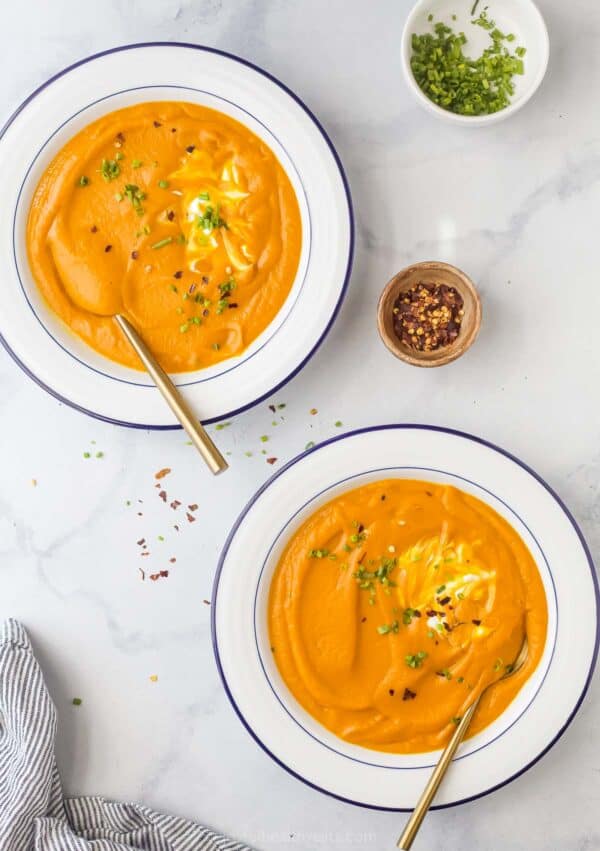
[[430, 272]]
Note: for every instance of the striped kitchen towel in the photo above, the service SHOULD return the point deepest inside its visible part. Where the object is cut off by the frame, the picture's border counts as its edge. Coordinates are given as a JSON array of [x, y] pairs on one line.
[[33, 813]]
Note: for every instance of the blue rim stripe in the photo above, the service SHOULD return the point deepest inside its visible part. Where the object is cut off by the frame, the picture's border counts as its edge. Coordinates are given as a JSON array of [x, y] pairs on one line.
[[443, 430], [351, 240]]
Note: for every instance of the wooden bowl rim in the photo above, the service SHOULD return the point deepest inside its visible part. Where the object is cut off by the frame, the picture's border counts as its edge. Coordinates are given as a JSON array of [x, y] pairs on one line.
[[444, 355]]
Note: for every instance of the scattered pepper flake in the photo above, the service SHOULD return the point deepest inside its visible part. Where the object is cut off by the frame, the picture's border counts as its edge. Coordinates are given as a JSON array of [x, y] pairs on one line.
[[271, 460]]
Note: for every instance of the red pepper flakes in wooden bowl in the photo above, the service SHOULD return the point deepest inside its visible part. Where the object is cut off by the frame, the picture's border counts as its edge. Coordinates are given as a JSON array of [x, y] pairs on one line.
[[429, 314]]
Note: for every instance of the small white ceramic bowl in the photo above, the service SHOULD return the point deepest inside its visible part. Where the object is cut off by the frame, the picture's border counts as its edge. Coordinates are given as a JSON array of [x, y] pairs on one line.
[[521, 17]]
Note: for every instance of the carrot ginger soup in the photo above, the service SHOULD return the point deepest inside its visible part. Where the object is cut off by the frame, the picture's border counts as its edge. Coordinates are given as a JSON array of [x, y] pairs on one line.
[[395, 604], [182, 218]]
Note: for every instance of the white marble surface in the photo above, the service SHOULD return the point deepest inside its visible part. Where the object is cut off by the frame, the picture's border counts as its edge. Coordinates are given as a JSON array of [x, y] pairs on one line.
[[517, 207]]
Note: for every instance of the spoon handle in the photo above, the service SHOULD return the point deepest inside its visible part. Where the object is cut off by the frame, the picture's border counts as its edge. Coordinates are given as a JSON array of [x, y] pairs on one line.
[[439, 772], [174, 399]]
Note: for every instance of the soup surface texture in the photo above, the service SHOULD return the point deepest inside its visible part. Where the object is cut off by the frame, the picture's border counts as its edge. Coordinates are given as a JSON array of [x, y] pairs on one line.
[[394, 604], [177, 216]]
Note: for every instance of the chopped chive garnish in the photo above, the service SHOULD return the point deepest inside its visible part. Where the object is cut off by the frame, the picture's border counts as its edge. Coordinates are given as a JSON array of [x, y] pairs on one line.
[[136, 196], [119, 155], [163, 184], [162, 242], [110, 169], [456, 82], [77, 701], [83, 180], [415, 660], [136, 163], [183, 328], [386, 628]]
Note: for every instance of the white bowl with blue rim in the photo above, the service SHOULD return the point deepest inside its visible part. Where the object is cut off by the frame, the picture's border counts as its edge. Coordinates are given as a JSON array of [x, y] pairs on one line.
[[522, 18], [62, 363], [544, 706]]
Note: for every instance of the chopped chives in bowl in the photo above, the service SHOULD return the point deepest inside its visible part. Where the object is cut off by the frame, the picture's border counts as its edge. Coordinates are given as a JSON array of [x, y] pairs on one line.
[[456, 82]]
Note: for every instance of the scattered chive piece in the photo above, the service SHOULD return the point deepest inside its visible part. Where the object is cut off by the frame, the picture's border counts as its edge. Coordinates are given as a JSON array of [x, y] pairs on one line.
[[221, 426], [183, 328], [310, 444], [119, 155], [440, 589], [415, 660], [87, 455], [136, 163], [216, 347], [119, 196], [163, 184], [204, 196], [162, 242], [136, 196], [318, 553], [99, 454], [160, 538], [264, 438], [386, 628], [110, 169], [77, 701], [83, 180], [456, 720], [338, 423]]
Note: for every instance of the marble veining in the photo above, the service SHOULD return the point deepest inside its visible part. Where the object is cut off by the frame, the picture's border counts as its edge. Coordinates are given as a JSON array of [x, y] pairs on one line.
[[516, 206]]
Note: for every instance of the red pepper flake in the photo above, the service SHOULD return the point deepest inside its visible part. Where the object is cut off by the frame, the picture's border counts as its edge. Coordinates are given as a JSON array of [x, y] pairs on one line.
[[163, 495], [176, 527], [444, 601], [192, 288], [383, 497], [428, 316], [172, 560], [173, 129], [205, 279], [193, 507], [271, 460], [363, 620], [170, 215], [447, 626], [145, 553], [391, 692], [119, 139], [162, 473], [94, 229], [135, 255], [232, 305], [272, 408], [162, 574], [107, 248], [178, 274], [143, 574], [408, 694], [175, 504], [157, 123], [141, 542], [206, 602], [190, 517], [476, 622], [190, 149]]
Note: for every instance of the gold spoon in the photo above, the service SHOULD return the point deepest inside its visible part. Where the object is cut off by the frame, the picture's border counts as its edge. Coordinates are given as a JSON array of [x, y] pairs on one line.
[[439, 772], [101, 298]]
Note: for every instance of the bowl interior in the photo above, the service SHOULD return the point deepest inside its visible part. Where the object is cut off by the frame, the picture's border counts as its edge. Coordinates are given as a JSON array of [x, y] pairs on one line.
[[430, 272], [50, 146], [519, 17], [302, 718]]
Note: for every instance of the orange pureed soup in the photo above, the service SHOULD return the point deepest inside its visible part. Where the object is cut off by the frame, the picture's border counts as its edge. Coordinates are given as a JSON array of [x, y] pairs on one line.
[[394, 604], [184, 215]]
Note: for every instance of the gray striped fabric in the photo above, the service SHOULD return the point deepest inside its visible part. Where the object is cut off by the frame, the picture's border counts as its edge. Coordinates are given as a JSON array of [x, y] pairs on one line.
[[33, 813]]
